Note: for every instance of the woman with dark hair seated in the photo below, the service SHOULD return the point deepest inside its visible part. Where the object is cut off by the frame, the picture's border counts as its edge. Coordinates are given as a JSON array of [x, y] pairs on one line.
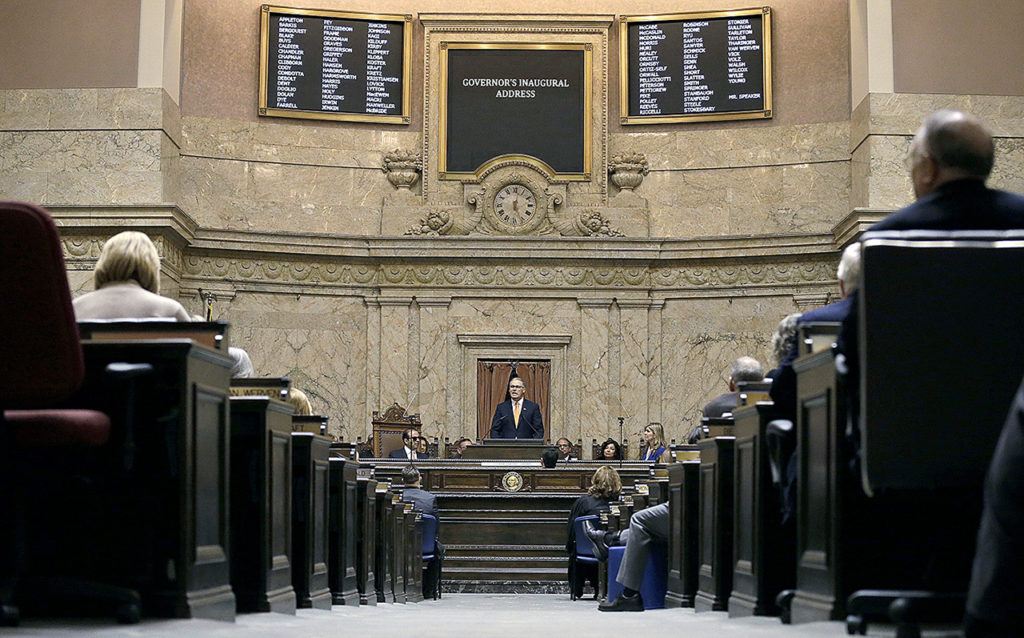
[[610, 451], [605, 486], [127, 280]]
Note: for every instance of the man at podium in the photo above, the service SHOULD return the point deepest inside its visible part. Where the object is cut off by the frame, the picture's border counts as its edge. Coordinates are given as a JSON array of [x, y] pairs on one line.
[[517, 417]]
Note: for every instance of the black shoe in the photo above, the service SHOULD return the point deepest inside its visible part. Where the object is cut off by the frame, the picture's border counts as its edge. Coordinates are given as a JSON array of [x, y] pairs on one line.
[[597, 537], [623, 603]]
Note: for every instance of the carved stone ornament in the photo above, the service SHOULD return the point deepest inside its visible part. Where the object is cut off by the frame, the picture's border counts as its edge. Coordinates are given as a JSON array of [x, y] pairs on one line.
[[588, 223], [402, 168], [436, 223], [628, 170]]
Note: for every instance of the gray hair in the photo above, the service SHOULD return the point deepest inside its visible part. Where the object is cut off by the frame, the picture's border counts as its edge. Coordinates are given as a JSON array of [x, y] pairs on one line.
[[784, 337], [956, 141], [746, 369], [410, 475], [849, 268], [241, 365]]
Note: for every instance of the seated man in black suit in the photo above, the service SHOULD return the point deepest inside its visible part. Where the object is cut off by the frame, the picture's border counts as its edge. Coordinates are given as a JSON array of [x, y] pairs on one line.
[[426, 503], [565, 449], [411, 443], [518, 417], [994, 599], [743, 369]]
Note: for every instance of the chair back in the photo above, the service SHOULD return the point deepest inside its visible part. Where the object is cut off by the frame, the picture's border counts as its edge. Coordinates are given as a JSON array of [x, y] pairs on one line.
[[584, 546], [941, 353], [40, 354], [429, 534]]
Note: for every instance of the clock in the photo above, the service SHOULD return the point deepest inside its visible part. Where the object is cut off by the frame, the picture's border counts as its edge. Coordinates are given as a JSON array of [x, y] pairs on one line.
[[515, 205]]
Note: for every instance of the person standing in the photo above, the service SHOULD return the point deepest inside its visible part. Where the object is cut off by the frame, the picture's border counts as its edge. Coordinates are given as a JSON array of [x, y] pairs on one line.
[[517, 417]]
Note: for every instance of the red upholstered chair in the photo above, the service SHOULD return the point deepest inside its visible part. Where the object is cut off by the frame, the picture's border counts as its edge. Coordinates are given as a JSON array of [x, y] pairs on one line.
[[41, 366]]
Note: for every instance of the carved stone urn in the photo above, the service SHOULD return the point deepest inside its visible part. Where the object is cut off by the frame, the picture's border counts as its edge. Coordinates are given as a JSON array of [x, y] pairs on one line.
[[402, 168], [628, 170]]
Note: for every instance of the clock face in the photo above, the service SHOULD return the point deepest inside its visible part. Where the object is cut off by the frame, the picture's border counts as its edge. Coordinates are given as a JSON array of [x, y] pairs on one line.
[[515, 204]]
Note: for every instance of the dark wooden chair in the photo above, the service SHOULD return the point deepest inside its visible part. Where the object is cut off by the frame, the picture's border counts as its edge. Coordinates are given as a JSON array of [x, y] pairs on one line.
[[388, 428], [931, 304]]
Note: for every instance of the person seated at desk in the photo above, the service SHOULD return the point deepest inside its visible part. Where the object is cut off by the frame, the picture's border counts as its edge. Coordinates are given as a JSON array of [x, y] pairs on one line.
[[518, 417], [565, 450], [743, 369], [127, 280], [411, 446], [549, 457], [605, 486], [610, 451], [647, 526], [460, 447], [654, 439], [426, 503]]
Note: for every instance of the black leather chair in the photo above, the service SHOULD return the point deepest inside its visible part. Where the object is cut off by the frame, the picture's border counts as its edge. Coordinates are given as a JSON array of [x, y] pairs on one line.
[[55, 458]]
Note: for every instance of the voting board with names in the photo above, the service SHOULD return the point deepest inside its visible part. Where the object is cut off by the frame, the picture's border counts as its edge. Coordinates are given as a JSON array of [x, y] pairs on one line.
[[332, 64], [700, 67]]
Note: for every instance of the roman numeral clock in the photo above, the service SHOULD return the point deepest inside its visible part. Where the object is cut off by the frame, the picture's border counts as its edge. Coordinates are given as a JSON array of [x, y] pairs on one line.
[[515, 205]]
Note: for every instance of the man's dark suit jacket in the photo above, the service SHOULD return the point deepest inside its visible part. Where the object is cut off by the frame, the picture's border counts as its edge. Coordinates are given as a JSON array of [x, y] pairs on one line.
[[783, 391], [422, 500], [721, 404], [531, 423], [400, 454]]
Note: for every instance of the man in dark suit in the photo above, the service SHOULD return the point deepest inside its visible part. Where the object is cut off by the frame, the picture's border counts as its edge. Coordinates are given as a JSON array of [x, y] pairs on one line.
[[518, 417], [410, 445], [565, 450], [742, 370], [426, 503]]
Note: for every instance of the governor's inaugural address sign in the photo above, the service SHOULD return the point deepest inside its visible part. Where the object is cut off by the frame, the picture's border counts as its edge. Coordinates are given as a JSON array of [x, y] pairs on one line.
[[696, 67], [515, 101], [334, 65]]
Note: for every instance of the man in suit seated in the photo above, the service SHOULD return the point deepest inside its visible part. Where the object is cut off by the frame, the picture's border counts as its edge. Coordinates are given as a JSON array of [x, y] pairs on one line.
[[565, 450], [645, 527], [426, 503], [410, 447], [743, 370], [518, 417]]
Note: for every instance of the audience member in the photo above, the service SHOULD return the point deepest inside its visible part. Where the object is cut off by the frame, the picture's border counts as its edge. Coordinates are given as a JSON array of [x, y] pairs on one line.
[[549, 457], [425, 502], [460, 447], [605, 486], [783, 341], [611, 451], [654, 438], [127, 280], [241, 365], [743, 370], [299, 402], [645, 527], [410, 447], [565, 450], [994, 598]]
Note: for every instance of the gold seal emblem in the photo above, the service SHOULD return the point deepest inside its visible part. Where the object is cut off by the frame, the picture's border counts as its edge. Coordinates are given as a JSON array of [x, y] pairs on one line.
[[512, 481]]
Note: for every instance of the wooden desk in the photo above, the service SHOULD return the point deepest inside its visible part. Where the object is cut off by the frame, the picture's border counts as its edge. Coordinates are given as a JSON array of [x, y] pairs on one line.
[[504, 524], [310, 512], [261, 504], [684, 533], [178, 556], [714, 581], [366, 545], [341, 550]]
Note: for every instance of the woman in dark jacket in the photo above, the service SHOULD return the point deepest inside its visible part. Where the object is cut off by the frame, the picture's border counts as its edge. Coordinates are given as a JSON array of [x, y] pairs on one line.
[[605, 486]]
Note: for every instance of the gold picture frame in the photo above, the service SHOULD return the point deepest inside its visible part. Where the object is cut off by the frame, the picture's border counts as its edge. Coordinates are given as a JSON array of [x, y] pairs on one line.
[[265, 110], [766, 30], [588, 99]]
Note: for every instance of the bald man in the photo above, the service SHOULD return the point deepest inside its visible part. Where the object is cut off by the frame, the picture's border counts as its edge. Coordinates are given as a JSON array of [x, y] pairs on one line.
[[950, 159]]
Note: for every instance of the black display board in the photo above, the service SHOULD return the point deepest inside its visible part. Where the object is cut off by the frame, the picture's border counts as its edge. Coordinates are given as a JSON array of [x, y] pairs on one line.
[[525, 100], [696, 67], [334, 65]]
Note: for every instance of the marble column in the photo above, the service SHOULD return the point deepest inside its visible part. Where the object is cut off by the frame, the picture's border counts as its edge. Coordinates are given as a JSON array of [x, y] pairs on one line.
[[655, 388], [432, 372], [634, 366], [595, 385], [373, 371], [397, 322]]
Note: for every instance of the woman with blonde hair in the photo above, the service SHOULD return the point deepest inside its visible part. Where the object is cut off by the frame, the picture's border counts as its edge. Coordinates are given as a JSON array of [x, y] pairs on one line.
[[605, 486], [127, 279], [654, 439]]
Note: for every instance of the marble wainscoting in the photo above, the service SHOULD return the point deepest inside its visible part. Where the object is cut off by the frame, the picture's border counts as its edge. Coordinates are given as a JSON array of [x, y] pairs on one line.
[[88, 146], [634, 328], [883, 124]]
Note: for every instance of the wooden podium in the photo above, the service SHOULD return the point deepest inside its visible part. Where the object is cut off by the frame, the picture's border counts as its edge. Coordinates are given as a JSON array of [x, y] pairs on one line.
[[506, 449]]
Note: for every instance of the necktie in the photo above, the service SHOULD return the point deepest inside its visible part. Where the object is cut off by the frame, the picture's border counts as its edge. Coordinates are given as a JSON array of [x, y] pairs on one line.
[[515, 412]]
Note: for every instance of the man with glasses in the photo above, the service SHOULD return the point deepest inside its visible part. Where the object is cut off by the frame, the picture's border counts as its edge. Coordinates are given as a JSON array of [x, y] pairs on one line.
[[517, 417], [565, 450], [411, 443]]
